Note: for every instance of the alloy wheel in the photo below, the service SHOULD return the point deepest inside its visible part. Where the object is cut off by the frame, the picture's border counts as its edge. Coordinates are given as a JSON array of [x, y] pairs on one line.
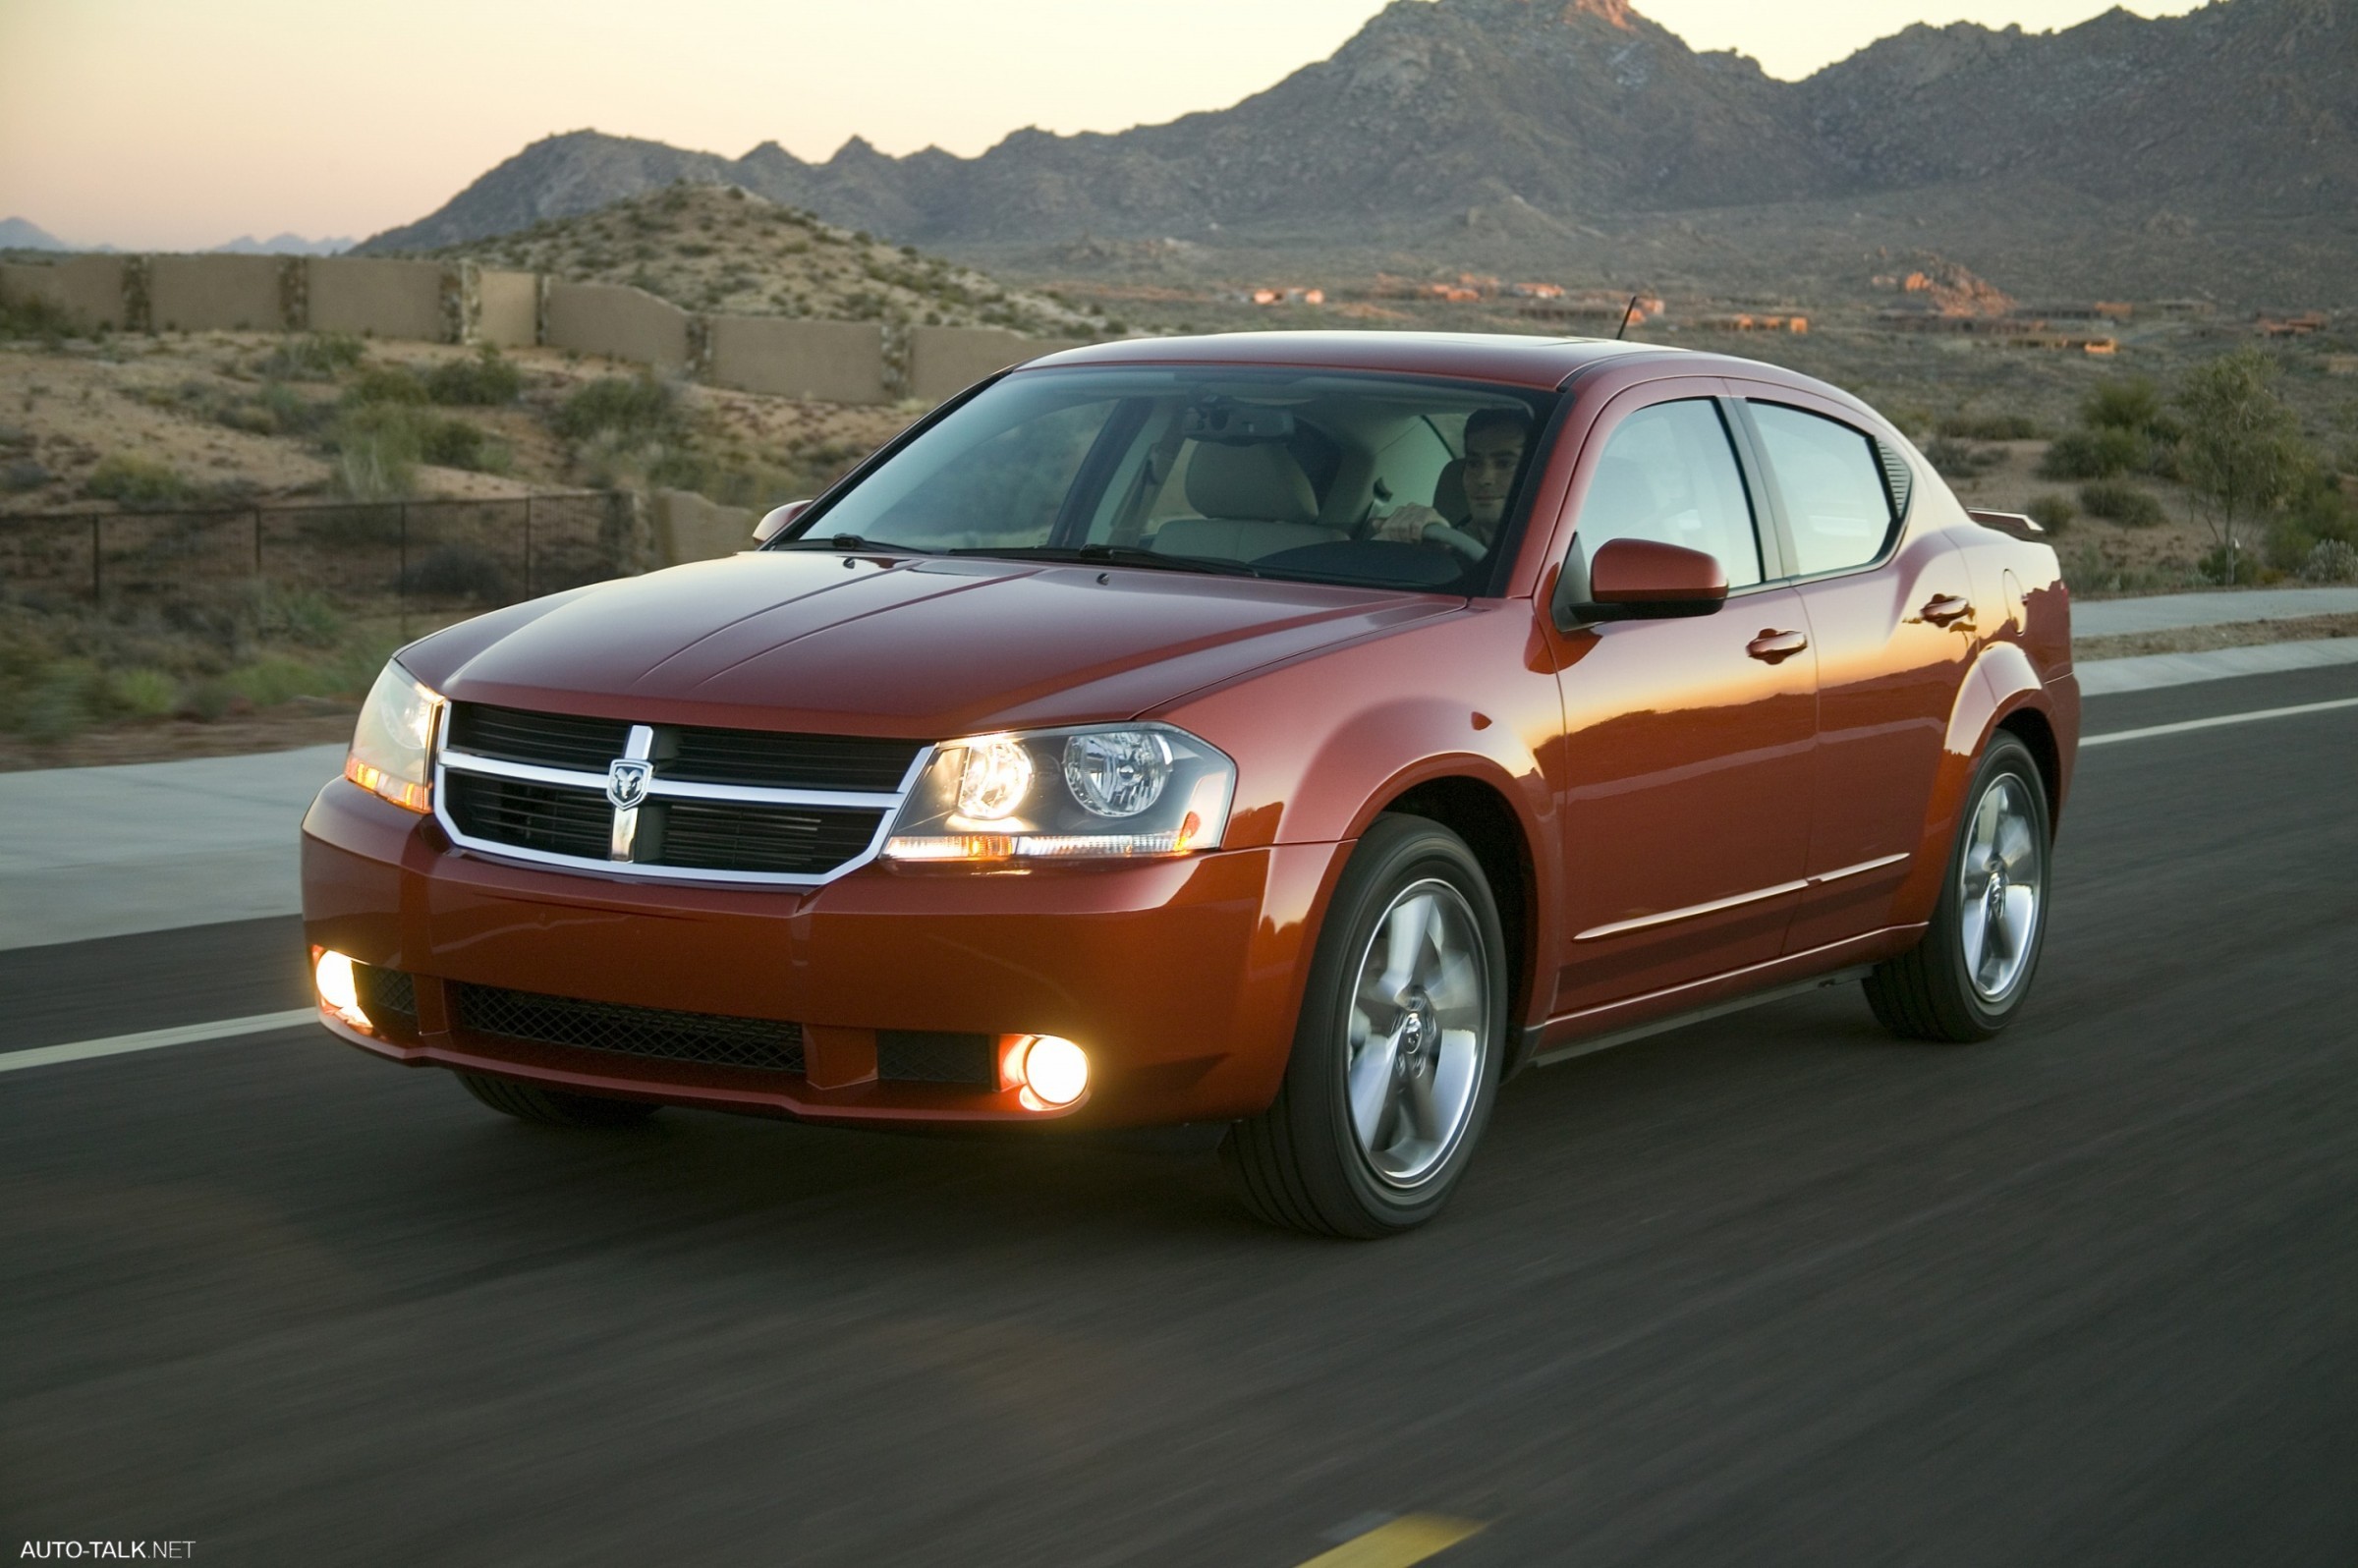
[[1418, 1032]]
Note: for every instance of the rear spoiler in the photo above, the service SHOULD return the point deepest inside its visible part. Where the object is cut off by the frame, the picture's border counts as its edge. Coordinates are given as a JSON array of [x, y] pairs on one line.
[[2014, 523]]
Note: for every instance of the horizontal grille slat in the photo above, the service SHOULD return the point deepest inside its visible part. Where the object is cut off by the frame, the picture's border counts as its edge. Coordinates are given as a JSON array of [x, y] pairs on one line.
[[552, 740], [537, 817], [727, 835], [658, 1033], [788, 761]]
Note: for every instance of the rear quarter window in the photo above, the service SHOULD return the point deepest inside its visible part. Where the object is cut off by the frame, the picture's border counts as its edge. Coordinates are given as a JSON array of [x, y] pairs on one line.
[[1838, 500]]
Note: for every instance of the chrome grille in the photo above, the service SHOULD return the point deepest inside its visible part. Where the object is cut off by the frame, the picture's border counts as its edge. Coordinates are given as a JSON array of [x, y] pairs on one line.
[[719, 804]]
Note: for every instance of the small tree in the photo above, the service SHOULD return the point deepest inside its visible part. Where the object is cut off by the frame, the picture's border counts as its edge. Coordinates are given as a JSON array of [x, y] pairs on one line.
[[2241, 451]]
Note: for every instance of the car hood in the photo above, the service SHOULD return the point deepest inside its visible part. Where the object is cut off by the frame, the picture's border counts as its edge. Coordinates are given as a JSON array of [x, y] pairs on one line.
[[924, 648]]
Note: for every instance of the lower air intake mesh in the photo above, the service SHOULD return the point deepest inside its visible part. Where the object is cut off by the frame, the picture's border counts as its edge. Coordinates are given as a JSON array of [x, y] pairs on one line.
[[654, 1032]]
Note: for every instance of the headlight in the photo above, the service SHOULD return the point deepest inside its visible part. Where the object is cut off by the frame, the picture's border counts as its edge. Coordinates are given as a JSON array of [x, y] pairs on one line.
[[393, 745], [1104, 790]]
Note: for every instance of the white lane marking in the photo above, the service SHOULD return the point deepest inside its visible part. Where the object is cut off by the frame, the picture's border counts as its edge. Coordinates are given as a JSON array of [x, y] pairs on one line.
[[155, 1039], [2214, 723]]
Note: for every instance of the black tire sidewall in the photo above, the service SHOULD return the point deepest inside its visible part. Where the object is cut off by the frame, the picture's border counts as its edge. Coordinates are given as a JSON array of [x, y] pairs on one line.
[[1396, 851]]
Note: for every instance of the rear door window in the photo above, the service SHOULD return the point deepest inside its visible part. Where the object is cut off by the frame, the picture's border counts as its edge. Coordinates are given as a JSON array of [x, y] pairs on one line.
[[1831, 480], [1668, 473]]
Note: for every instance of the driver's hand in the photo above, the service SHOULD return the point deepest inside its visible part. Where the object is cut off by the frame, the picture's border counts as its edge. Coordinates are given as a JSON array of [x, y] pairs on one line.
[[1407, 526]]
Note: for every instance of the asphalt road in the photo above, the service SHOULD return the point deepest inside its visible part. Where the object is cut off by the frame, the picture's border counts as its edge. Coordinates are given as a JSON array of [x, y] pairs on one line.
[[1770, 1290]]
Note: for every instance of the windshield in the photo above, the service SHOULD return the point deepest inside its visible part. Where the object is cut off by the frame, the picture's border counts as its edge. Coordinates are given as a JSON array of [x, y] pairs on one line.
[[1393, 482]]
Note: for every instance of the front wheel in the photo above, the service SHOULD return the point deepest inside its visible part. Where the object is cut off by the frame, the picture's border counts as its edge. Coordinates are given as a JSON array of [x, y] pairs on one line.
[[1968, 977], [1396, 1055]]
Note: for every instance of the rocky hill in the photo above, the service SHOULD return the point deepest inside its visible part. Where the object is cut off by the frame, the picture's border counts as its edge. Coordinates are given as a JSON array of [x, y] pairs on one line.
[[2221, 146], [720, 250]]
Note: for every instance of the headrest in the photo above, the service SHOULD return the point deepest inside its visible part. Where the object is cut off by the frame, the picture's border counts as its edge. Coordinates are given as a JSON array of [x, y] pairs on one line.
[[1449, 491], [1260, 481]]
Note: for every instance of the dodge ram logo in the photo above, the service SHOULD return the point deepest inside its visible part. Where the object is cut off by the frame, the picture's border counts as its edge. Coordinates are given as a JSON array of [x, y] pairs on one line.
[[625, 782]]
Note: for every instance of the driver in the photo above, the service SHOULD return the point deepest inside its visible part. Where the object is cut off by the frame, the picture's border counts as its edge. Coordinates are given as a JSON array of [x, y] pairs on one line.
[[1494, 443]]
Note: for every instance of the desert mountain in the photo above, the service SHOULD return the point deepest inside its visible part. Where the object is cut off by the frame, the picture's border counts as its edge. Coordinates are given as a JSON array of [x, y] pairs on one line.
[[23, 234], [722, 249], [1536, 121]]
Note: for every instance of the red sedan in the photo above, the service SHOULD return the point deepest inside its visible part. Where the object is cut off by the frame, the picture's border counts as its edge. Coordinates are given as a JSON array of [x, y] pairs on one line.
[[1304, 733]]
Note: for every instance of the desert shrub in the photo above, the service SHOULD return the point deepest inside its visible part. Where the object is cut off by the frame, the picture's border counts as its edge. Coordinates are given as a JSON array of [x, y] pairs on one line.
[[2331, 561], [458, 444], [270, 681], [2225, 568], [292, 614], [311, 356], [376, 451], [1958, 459], [457, 572], [130, 479], [1991, 427], [143, 692], [387, 384], [2119, 502], [28, 316], [2052, 511], [2130, 402], [277, 409], [2094, 454], [23, 474], [487, 380], [631, 408]]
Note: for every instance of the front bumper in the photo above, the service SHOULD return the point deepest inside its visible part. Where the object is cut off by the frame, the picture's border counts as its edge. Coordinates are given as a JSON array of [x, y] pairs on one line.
[[1181, 978]]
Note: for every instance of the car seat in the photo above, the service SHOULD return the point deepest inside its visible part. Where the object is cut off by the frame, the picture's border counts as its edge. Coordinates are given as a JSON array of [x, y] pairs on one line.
[[1254, 500]]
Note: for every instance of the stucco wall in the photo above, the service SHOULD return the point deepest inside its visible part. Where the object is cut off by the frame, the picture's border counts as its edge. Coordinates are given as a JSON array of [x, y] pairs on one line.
[[508, 308], [687, 527], [836, 362], [215, 294], [945, 361], [88, 288], [377, 298], [619, 322]]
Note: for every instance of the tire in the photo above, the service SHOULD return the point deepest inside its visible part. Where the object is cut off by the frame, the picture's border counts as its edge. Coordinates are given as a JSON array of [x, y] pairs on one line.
[[1969, 975], [550, 1108], [1413, 931]]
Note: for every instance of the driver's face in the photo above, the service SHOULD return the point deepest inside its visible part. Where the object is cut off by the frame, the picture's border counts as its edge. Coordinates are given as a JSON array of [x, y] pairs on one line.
[[1492, 457]]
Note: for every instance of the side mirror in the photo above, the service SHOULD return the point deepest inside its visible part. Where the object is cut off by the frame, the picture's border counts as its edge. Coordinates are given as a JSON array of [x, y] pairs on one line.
[[773, 522], [1632, 580]]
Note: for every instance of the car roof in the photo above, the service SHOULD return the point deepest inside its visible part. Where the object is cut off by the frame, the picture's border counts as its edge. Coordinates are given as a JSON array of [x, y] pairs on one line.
[[1503, 357], [1530, 361]]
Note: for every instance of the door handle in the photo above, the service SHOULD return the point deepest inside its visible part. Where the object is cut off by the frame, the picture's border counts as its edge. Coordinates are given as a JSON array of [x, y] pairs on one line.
[[1774, 646], [1947, 608]]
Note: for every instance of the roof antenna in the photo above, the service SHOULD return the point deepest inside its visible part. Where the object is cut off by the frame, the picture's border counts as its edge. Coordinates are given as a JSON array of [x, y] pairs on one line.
[[1627, 311]]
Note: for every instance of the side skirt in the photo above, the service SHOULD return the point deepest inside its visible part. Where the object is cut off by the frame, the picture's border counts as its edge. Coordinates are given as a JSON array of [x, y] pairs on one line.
[[1843, 963]]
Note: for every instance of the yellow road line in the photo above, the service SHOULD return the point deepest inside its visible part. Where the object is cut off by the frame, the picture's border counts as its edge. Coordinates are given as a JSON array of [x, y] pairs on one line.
[[1410, 1539]]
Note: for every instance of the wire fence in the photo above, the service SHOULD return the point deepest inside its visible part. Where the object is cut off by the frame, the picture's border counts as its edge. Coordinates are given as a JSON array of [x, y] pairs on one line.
[[425, 558]]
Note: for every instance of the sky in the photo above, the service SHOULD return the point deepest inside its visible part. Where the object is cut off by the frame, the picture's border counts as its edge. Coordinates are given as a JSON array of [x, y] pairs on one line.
[[183, 124]]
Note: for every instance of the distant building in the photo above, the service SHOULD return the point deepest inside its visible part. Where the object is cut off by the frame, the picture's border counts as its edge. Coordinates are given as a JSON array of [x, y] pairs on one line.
[[1751, 321], [2342, 364], [2276, 324]]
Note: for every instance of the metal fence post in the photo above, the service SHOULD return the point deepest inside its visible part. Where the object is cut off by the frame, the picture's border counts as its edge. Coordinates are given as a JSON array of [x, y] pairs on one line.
[[257, 543], [401, 583], [97, 562], [528, 544]]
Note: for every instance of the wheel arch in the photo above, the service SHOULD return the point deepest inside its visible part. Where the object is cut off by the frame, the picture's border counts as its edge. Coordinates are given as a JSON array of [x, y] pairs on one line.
[[2001, 693], [1480, 814]]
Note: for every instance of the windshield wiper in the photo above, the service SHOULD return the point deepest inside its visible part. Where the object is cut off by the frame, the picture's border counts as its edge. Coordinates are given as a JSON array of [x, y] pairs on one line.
[[849, 542], [1120, 555]]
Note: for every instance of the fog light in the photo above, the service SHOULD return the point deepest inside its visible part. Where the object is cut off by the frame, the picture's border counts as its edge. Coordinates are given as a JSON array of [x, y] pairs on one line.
[[1055, 1071], [338, 993]]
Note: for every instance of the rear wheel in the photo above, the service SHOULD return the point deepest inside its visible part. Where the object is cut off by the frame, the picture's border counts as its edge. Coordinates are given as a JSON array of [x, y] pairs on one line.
[[550, 1107], [1968, 977], [1396, 1054]]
